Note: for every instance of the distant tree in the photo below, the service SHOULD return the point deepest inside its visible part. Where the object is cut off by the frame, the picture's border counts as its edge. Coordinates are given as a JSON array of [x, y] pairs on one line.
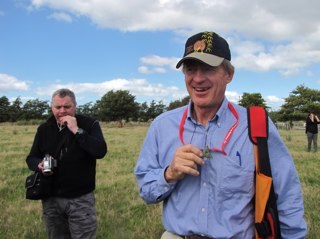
[[143, 109], [155, 110], [252, 99], [15, 109], [4, 109], [86, 109], [117, 106], [300, 102], [35, 109], [274, 115], [178, 103]]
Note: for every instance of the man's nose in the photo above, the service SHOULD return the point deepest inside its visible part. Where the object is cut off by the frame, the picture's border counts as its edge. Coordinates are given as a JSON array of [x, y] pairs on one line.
[[62, 109], [198, 75]]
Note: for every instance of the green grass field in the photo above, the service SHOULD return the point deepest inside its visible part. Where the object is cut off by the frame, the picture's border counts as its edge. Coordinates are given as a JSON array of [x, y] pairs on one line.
[[121, 212]]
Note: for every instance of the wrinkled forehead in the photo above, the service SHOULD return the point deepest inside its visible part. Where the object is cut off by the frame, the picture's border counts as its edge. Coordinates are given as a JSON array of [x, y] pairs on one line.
[[58, 101]]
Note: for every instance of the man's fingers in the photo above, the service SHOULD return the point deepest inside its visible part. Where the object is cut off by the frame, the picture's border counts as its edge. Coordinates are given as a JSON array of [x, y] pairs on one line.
[[189, 148], [186, 161], [188, 169], [190, 154]]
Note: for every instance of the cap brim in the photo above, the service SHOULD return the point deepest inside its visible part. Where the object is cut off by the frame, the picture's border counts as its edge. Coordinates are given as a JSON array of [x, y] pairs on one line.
[[208, 59]]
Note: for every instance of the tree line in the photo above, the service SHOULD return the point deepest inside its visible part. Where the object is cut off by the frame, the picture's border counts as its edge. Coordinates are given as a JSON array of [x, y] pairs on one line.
[[121, 105], [113, 106]]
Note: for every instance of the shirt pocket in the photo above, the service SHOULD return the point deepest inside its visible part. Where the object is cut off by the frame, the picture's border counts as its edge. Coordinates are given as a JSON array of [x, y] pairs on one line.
[[237, 178]]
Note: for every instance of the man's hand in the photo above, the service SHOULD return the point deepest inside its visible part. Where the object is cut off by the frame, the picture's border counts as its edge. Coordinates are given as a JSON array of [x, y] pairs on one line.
[[185, 161], [70, 122], [40, 167]]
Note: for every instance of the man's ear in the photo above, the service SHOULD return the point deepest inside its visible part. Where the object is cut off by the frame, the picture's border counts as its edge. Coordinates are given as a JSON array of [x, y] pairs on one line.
[[230, 76]]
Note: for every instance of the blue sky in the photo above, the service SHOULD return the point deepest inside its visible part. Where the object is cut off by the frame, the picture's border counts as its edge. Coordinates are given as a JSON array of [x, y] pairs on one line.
[[96, 46]]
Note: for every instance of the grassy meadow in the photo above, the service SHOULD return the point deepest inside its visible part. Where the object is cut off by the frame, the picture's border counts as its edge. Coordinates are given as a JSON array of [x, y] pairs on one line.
[[121, 212]]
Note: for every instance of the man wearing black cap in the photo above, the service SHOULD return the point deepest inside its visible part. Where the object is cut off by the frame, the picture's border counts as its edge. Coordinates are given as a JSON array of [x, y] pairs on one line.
[[198, 159]]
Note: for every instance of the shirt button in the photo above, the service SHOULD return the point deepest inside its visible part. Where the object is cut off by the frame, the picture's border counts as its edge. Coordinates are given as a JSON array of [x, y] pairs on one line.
[[203, 209], [204, 184]]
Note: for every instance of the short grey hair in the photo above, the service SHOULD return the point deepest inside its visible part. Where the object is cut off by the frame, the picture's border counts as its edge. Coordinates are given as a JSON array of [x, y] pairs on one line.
[[63, 93], [228, 67]]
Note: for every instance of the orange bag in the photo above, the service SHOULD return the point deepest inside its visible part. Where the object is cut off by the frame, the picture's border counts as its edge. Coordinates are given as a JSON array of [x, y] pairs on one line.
[[266, 213]]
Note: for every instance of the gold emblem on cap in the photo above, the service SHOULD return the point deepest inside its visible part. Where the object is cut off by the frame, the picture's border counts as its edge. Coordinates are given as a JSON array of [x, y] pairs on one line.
[[204, 45], [208, 39], [199, 46]]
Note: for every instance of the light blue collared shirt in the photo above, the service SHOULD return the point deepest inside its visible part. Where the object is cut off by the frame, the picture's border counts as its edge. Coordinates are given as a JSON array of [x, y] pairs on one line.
[[217, 203]]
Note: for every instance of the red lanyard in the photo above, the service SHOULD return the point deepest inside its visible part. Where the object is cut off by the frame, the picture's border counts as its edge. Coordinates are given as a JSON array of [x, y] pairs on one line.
[[226, 138]]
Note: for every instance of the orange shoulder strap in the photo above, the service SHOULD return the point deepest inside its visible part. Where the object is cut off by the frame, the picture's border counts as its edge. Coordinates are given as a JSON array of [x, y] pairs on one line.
[[266, 214]]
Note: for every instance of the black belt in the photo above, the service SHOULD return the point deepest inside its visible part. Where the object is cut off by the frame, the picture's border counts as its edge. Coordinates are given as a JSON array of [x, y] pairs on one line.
[[195, 237]]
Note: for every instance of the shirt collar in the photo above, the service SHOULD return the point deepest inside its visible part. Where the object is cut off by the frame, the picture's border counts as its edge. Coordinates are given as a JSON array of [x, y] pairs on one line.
[[222, 110]]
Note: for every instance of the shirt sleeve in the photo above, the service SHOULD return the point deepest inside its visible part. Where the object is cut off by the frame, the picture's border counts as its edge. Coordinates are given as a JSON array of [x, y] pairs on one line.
[[150, 173], [287, 188]]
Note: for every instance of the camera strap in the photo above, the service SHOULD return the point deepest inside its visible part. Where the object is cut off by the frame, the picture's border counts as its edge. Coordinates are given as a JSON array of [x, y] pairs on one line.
[[58, 152]]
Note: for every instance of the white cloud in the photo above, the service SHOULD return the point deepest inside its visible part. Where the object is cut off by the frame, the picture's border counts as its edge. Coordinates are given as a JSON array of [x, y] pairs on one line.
[[10, 83], [274, 102], [150, 70], [144, 70], [288, 58], [274, 99], [61, 16], [159, 70], [286, 33], [137, 87], [157, 60], [309, 73], [233, 96], [157, 64], [263, 19]]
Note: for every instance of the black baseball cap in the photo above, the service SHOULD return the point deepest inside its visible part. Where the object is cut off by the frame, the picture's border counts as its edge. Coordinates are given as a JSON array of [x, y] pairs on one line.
[[207, 47]]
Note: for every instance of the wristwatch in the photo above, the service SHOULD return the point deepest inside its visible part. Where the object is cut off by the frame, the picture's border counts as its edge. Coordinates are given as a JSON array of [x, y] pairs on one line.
[[79, 131]]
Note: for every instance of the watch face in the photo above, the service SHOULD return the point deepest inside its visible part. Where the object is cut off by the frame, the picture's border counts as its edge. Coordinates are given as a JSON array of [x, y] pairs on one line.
[[80, 131]]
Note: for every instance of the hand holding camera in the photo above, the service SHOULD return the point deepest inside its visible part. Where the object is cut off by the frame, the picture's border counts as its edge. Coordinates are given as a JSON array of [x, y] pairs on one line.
[[48, 164]]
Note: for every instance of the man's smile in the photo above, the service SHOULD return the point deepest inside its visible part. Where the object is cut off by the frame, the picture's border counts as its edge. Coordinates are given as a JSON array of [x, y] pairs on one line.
[[201, 89]]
